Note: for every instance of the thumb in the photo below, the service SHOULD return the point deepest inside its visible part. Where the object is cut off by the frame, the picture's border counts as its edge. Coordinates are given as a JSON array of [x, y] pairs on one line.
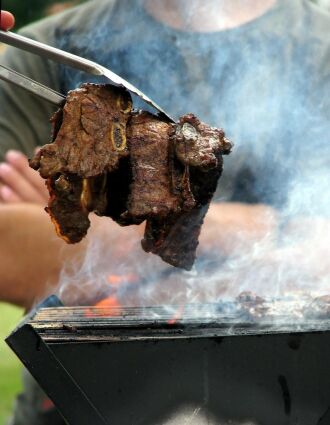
[[7, 20]]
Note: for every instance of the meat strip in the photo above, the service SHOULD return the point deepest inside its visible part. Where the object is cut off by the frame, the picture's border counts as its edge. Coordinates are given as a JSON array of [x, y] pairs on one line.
[[151, 193], [199, 149], [92, 135], [65, 208]]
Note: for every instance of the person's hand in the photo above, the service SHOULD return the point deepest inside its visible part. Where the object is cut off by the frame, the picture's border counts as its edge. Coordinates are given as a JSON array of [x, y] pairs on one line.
[[7, 20], [19, 183]]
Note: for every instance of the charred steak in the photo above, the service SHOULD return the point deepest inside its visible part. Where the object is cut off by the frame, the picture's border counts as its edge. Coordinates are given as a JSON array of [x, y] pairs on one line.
[[196, 166], [131, 166], [90, 132]]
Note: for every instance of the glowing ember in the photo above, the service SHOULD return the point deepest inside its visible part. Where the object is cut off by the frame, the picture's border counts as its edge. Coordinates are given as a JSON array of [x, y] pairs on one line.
[[177, 316], [117, 279], [110, 302], [108, 307]]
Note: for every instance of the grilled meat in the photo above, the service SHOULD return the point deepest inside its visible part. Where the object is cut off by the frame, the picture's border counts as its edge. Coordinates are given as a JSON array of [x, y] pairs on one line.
[[132, 167], [151, 192], [65, 208], [196, 168], [90, 133]]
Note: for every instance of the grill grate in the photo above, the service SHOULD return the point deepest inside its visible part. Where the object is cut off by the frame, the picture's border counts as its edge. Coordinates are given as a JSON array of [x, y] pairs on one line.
[[193, 320]]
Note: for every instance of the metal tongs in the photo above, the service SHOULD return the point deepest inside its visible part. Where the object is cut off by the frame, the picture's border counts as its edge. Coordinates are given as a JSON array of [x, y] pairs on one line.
[[65, 58]]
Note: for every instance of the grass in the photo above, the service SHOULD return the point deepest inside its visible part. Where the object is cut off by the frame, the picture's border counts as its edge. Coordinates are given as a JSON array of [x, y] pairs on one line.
[[10, 366]]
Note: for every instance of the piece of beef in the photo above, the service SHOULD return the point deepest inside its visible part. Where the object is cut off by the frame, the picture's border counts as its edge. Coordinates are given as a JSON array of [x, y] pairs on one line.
[[65, 208], [92, 135], [131, 166], [89, 140], [94, 194], [199, 148], [141, 187], [199, 145], [71, 200], [151, 193], [175, 240], [118, 189]]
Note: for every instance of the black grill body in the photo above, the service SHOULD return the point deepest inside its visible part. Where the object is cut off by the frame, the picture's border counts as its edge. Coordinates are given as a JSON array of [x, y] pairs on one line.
[[145, 369]]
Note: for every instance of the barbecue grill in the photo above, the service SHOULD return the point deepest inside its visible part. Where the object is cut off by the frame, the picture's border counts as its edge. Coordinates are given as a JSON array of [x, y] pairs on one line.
[[210, 364]]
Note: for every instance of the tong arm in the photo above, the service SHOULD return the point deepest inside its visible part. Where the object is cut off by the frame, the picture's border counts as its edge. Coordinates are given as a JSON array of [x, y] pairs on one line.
[[49, 52], [30, 85], [74, 61]]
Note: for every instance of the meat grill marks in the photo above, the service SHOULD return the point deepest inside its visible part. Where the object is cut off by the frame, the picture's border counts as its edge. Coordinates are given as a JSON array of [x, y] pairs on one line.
[[132, 167]]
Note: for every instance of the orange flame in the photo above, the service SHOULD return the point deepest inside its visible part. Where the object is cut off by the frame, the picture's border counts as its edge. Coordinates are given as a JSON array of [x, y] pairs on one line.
[[177, 316], [118, 279], [110, 306], [110, 302]]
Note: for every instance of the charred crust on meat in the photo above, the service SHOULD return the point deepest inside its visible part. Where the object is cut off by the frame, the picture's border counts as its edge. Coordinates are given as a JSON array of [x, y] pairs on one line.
[[89, 135], [131, 166], [64, 207]]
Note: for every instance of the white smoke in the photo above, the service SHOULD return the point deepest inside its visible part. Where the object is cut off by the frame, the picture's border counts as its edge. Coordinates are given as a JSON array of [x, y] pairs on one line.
[[289, 260]]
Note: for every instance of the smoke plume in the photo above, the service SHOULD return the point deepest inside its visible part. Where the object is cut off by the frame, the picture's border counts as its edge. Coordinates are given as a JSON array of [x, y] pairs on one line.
[[264, 82]]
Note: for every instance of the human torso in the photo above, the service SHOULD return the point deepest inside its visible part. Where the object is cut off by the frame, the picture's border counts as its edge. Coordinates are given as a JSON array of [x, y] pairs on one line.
[[261, 82]]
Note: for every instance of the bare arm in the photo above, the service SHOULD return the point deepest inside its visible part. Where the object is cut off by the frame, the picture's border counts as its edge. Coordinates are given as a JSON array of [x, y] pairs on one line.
[[233, 227], [34, 256], [302, 245], [31, 254]]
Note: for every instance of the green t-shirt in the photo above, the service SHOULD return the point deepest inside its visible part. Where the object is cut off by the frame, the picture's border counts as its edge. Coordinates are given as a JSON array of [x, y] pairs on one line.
[[267, 83], [24, 118]]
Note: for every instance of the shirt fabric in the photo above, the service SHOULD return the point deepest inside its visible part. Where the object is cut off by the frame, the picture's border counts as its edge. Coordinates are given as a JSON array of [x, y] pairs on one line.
[[266, 83]]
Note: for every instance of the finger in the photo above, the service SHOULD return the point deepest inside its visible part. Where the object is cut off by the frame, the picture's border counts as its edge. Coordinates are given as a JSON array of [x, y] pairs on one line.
[[20, 163], [8, 196], [17, 183], [7, 20]]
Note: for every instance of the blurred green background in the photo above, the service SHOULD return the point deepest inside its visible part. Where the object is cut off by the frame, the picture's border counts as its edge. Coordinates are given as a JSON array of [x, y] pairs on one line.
[[9, 364], [27, 11]]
